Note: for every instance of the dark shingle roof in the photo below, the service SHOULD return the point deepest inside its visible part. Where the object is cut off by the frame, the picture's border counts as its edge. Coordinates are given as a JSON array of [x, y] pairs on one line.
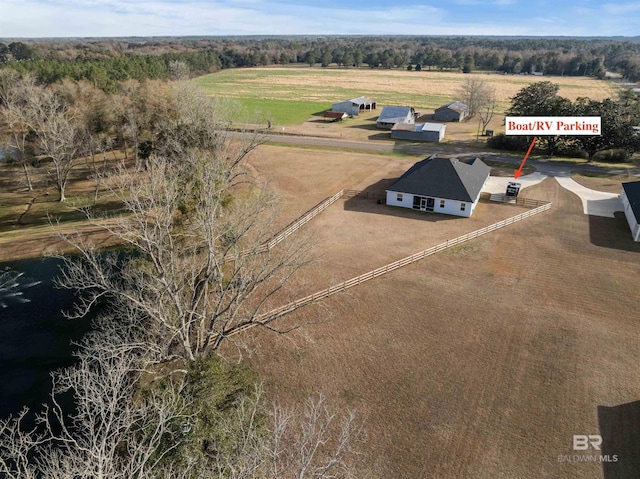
[[632, 191], [447, 178]]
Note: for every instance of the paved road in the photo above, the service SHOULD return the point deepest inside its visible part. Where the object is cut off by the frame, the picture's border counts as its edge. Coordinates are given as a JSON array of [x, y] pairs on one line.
[[594, 202]]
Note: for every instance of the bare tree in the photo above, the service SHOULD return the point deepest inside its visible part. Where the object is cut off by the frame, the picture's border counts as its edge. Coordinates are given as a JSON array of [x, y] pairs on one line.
[[117, 428], [179, 70], [15, 94], [17, 445], [313, 443], [96, 146], [57, 135], [124, 428], [198, 224], [474, 92], [487, 108], [261, 442]]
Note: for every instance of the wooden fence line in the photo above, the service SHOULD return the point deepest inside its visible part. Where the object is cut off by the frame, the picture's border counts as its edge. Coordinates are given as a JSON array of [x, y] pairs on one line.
[[520, 200], [274, 314], [304, 219], [363, 194], [293, 226]]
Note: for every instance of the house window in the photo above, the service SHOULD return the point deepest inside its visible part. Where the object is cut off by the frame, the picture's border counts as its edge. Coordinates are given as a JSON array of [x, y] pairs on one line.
[[399, 197], [441, 203], [463, 206]]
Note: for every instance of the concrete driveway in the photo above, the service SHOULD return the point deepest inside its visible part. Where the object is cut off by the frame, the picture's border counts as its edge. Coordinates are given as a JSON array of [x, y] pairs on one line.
[[595, 203], [498, 184]]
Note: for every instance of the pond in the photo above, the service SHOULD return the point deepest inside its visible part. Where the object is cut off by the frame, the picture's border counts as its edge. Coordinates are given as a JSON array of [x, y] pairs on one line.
[[35, 337]]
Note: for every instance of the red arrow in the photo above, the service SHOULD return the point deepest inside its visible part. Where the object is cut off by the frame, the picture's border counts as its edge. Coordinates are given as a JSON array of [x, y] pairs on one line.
[[518, 173]]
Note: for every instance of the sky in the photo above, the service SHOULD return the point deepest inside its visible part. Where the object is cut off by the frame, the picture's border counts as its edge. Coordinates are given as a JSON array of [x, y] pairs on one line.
[[110, 18]]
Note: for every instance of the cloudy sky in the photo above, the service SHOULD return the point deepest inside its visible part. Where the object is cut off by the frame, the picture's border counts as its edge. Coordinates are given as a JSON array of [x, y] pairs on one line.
[[83, 18]]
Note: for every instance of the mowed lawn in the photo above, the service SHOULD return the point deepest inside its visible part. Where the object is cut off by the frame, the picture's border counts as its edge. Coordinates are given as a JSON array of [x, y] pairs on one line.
[[302, 87], [479, 362], [280, 112]]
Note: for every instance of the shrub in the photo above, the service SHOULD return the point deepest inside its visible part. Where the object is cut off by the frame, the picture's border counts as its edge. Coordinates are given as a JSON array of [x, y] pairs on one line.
[[509, 143], [618, 155]]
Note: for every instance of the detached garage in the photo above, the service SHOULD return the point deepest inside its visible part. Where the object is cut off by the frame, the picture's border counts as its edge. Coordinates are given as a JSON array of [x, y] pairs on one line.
[[630, 197], [440, 185]]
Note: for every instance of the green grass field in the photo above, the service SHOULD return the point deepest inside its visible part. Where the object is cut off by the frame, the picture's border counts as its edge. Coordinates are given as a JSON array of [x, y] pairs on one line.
[[281, 112]]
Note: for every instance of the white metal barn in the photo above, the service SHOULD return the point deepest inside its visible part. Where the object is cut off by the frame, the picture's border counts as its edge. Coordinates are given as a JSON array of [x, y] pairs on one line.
[[392, 115], [440, 185], [630, 197]]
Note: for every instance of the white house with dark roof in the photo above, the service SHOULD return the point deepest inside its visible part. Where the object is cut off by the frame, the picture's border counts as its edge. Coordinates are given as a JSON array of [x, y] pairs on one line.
[[354, 106], [392, 115], [630, 197], [440, 185], [454, 111]]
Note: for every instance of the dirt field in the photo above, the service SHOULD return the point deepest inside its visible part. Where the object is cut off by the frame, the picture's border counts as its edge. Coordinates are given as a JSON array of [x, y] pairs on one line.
[[479, 362]]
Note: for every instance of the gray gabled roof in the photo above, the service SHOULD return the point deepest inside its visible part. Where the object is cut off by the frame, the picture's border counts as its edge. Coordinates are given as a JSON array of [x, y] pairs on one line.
[[455, 106], [419, 127], [395, 114], [632, 192], [447, 178], [362, 100], [430, 127]]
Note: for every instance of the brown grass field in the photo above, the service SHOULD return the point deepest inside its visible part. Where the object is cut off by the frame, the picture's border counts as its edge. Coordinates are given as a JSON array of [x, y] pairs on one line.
[[27, 217], [302, 83], [424, 90], [480, 362]]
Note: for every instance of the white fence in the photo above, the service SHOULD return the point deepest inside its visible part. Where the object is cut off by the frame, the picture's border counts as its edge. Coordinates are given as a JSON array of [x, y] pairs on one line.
[[304, 219], [283, 310]]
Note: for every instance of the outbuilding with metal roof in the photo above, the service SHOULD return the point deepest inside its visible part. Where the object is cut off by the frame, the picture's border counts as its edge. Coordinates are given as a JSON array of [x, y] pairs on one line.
[[392, 115], [354, 106], [454, 111]]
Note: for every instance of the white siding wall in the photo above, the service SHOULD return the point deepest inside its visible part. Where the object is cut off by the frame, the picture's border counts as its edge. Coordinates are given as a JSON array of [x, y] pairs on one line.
[[631, 218], [346, 107], [406, 201], [451, 207]]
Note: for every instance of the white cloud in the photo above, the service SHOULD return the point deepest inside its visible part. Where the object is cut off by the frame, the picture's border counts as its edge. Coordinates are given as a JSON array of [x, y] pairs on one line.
[[621, 8], [548, 20]]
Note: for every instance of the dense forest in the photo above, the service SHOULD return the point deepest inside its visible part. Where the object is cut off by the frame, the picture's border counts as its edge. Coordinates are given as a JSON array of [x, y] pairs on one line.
[[105, 62]]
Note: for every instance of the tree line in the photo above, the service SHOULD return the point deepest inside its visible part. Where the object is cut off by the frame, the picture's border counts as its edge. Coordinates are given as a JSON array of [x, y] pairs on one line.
[[104, 62], [618, 119]]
